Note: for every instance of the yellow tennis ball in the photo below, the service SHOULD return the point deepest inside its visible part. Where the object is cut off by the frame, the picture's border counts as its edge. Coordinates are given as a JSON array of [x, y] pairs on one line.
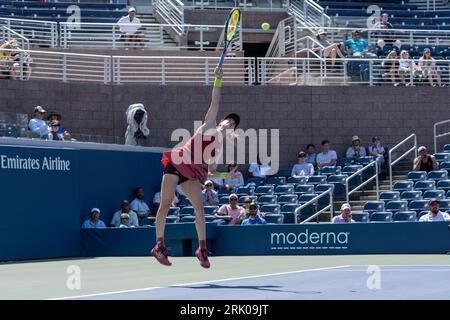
[[265, 26]]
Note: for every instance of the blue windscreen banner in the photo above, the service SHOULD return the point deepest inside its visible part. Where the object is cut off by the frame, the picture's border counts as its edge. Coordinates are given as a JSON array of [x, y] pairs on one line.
[[40, 202]]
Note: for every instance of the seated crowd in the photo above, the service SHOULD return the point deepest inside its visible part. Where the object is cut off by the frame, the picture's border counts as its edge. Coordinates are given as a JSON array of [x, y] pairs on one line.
[[10, 60], [48, 128]]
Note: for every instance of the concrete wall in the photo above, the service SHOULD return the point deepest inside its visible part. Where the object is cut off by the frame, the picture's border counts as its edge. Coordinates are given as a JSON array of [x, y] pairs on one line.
[[303, 114]]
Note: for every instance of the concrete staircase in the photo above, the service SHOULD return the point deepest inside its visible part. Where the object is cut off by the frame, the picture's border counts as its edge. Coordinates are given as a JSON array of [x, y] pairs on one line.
[[152, 35]]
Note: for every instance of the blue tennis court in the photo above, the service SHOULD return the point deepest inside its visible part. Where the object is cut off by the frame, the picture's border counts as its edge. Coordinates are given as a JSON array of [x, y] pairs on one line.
[[339, 282]]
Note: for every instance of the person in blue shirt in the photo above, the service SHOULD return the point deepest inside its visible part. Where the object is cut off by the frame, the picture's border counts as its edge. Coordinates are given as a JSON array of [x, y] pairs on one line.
[[358, 46], [138, 205], [254, 217], [94, 222]]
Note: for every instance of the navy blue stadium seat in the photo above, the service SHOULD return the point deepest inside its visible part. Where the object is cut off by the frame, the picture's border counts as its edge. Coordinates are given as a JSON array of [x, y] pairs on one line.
[[242, 199], [256, 181], [372, 206], [174, 211], [389, 196], [432, 194], [148, 221], [443, 185], [270, 208], [284, 189], [342, 162], [417, 175], [287, 199], [264, 190], [447, 147], [445, 165], [425, 185], [442, 157], [210, 210], [301, 189], [338, 181], [276, 180], [411, 195], [359, 216], [437, 175], [418, 205], [396, 205], [444, 204], [408, 216], [209, 218], [284, 173], [330, 170], [172, 219], [276, 218], [187, 219], [267, 199], [317, 179], [245, 191], [224, 200], [223, 192], [422, 213], [297, 180], [381, 217], [185, 202], [403, 186], [187, 211]]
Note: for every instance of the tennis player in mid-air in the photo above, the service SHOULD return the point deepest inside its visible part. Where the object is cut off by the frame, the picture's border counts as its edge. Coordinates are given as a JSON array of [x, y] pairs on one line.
[[186, 166]]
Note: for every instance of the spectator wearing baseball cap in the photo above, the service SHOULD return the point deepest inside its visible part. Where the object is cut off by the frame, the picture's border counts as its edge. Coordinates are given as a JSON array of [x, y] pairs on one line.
[[254, 217], [378, 151], [38, 124], [129, 27], [125, 208], [356, 151], [424, 161], [210, 196], [94, 221], [434, 214], [302, 168], [345, 216]]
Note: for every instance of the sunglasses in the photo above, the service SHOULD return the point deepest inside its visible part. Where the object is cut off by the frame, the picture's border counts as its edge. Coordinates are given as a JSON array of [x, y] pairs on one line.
[[233, 199], [247, 201]]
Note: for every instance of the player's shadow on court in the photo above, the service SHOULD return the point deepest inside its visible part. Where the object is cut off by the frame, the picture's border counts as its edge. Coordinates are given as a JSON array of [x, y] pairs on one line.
[[260, 288]]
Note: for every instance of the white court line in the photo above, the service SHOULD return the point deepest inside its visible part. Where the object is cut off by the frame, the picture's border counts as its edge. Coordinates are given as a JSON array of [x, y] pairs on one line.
[[196, 283]]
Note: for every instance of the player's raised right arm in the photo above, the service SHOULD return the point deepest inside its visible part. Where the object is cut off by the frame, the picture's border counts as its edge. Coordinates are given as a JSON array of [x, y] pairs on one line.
[[211, 115]]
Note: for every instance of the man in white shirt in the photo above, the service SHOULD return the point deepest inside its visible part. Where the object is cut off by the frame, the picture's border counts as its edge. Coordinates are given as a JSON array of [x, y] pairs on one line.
[[129, 26], [302, 168], [327, 157], [38, 124], [434, 215]]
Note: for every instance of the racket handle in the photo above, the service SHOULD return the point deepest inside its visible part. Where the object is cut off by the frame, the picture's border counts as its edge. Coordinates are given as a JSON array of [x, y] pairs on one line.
[[222, 59]]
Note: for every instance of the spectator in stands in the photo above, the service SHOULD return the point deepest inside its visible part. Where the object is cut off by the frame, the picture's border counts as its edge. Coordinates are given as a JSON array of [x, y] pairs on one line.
[[10, 59], [427, 66], [386, 35], [358, 46], [234, 178], [245, 209], [326, 49], [210, 196], [157, 200], [345, 216], [254, 217], [302, 168], [55, 116], [229, 213], [390, 67], [377, 150], [424, 162], [54, 135], [138, 205], [6, 60], [356, 151], [125, 209], [311, 156], [434, 214], [26, 62], [258, 169], [125, 221], [129, 27], [406, 67], [94, 221], [38, 125], [327, 157]]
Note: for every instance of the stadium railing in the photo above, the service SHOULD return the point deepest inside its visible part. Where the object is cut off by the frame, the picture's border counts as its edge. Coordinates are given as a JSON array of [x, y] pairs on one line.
[[402, 143], [8, 34], [313, 201], [436, 135], [39, 32], [309, 14], [363, 181], [172, 11], [242, 4]]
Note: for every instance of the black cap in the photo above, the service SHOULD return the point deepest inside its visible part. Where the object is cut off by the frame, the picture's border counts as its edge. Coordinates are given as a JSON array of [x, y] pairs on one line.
[[235, 117], [124, 202], [254, 205], [39, 109], [301, 154], [433, 201]]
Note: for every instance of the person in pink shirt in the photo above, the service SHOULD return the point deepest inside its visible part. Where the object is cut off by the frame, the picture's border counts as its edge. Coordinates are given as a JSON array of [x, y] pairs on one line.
[[229, 213]]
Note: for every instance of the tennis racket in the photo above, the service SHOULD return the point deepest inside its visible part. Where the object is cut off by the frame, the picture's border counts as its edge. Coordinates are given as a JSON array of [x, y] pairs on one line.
[[231, 27]]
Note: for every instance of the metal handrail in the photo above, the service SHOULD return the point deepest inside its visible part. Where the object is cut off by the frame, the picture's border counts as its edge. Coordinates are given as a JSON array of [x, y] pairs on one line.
[[313, 200], [436, 136], [172, 11], [375, 176], [25, 39], [392, 163]]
